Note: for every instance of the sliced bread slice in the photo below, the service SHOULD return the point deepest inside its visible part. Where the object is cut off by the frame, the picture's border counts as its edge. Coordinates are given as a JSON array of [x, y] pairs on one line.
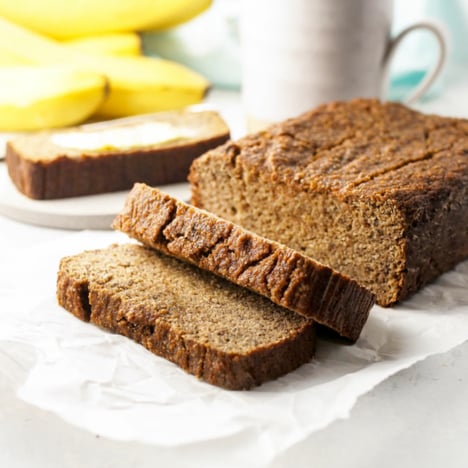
[[275, 271], [220, 332], [111, 156]]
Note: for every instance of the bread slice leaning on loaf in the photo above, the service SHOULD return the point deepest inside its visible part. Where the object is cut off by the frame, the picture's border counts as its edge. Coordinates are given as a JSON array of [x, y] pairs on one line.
[[275, 271], [84, 161], [211, 328], [374, 190]]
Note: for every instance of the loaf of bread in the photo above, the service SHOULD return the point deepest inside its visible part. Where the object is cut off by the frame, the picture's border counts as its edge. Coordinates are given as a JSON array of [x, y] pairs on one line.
[[374, 190], [112, 156], [275, 271], [221, 333]]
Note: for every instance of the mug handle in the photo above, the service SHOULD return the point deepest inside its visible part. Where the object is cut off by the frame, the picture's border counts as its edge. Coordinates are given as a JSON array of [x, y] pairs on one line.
[[432, 74]]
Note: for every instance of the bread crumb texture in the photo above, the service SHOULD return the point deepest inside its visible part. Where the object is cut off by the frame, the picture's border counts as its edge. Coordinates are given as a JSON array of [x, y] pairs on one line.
[[210, 327], [283, 275], [374, 190]]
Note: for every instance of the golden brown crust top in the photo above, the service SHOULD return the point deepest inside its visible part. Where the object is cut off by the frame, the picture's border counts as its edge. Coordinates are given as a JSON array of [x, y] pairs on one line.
[[355, 148]]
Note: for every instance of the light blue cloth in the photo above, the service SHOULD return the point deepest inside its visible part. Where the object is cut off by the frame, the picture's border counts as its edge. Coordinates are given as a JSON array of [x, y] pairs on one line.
[[419, 50]]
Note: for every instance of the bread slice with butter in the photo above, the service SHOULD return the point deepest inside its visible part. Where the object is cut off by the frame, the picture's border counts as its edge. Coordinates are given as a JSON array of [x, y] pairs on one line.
[[156, 149]]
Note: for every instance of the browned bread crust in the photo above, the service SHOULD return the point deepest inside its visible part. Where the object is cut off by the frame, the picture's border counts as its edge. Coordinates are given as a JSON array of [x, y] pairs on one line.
[[41, 169], [374, 190], [279, 273], [209, 327]]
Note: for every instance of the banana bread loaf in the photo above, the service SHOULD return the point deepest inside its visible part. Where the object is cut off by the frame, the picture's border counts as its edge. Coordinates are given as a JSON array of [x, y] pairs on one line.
[[221, 333], [277, 272], [112, 156], [374, 190]]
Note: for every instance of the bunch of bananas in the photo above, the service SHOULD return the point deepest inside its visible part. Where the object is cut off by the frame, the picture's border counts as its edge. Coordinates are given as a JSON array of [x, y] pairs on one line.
[[64, 62]]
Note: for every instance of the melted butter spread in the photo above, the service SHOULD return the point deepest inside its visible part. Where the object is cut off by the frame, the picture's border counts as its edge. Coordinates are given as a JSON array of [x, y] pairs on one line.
[[135, 136]]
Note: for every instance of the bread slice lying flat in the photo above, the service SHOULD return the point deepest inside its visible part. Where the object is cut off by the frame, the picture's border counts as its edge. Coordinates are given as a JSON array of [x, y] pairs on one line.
[[221, 333], [86, 160], [275, 271]]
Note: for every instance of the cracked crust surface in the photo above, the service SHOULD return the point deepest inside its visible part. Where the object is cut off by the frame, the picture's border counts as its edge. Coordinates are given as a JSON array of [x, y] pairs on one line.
[[374, 190], [275, 271], [209, 327]]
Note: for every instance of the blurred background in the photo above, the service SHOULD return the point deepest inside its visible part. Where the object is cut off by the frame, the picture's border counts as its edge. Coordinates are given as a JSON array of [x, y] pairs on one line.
[[210, 43], [202, 35]]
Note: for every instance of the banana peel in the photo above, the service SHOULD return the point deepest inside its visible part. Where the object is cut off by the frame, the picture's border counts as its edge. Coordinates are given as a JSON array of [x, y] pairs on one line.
[[60, 96], [136, 84], [141, 85], [118, 44], [9, 58], [71, 19]]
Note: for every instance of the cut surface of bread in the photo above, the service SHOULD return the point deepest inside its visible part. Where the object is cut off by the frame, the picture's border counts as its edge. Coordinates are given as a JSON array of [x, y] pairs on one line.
[[211, 328], [111, 156], [374, 190], [275, 271]]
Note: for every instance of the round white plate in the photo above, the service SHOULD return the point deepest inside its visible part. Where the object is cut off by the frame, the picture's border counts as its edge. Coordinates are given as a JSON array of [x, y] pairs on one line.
[[89, 212]]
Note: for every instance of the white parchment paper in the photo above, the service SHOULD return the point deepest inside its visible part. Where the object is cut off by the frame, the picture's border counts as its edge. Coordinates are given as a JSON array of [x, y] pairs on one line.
[[113, 387]]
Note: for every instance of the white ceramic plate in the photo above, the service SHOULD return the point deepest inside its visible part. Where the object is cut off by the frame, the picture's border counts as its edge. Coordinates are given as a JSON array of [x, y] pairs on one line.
[[90, 212]]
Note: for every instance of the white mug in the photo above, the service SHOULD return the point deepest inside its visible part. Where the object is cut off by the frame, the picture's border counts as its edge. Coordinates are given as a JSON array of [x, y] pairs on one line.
[[297, 54]]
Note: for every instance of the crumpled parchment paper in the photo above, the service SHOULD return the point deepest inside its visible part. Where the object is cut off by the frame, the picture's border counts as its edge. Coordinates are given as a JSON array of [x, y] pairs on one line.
[[113, 387]]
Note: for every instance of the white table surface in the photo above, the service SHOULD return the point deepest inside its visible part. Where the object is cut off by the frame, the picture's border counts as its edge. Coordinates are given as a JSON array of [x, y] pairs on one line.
[[418, 417]]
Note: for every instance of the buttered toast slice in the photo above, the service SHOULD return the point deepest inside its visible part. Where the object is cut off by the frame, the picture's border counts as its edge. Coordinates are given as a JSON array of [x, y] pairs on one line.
[[156, 149]]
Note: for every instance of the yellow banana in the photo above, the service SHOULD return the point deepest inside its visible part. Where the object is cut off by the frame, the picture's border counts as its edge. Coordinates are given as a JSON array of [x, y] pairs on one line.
[[9, 58], [75, 18], [137, 84], [37, 97], [119, 44]]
